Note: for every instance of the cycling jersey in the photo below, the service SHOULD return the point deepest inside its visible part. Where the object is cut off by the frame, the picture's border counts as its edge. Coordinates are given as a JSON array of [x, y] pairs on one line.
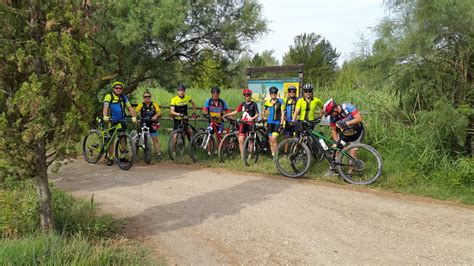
[[116, 105], [348, 111], [147, 111], [288, 107], [249, 110], [215, 108], [307, 110], [274, 116], [181, 105]]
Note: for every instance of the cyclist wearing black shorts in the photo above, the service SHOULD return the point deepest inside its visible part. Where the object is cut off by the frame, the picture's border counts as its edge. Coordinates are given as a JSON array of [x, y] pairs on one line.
[[250, 112], [179, 107], [288, 108], [115, 104]]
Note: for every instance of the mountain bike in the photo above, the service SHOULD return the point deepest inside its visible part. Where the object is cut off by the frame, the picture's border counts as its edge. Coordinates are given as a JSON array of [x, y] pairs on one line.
[[356, 163], [97, 142], [256, 142], [177, 140], [142, 139], [203, 144], [229, 145]]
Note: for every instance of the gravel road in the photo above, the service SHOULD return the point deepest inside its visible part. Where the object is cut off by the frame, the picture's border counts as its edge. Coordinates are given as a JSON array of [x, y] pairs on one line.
[[194, 215]]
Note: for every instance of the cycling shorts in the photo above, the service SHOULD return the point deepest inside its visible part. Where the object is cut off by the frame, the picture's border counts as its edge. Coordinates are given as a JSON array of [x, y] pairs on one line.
[[244, 128], [115, 122], [272, 129], [356, 138]]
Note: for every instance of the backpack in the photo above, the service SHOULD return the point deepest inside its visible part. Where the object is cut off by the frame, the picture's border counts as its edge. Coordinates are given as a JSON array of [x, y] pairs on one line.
[[121, 101]]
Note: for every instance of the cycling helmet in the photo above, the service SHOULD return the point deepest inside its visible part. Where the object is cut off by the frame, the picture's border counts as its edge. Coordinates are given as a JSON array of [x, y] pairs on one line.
[[329, 105], [117, 83], [247, 91], [215, 89], [273, 89], [307, 87], [181, 87], [292, 88]]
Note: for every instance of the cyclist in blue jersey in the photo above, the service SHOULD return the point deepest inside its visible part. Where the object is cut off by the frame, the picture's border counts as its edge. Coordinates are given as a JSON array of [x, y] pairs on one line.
[[216, 107], [346, 123], [115, 104], [288, 109], [272, 108]]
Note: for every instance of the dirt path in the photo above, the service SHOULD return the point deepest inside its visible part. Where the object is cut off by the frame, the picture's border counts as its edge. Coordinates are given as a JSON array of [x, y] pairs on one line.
[[207, 216]]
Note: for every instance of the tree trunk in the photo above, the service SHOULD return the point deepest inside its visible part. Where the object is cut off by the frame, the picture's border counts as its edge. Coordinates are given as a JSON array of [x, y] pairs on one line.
[[37, 24], [42, 186]]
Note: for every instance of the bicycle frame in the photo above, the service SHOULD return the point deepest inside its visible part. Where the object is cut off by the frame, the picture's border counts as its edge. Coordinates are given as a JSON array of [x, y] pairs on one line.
[[331, 152]]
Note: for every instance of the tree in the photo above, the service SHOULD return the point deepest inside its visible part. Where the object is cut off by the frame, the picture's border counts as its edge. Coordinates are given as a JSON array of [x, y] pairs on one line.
[[317, 55], [46, 71], [164, 40], [265, 58]]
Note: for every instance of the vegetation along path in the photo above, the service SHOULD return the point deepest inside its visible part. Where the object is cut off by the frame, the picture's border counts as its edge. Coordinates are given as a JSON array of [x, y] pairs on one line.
[[210, 216]]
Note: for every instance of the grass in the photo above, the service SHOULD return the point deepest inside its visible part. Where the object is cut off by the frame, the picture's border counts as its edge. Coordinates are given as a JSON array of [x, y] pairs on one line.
[[55, 249]]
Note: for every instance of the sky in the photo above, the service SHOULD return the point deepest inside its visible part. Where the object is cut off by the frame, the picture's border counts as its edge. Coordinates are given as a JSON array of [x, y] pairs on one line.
[[342, 22]]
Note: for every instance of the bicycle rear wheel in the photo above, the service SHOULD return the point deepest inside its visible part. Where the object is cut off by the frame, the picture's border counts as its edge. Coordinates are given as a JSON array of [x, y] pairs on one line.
[[359, 164], [125, 153], [229, 147], [201, 146], [176, 145], [92, 146], [251, 151], [292, 158], [147, 151]]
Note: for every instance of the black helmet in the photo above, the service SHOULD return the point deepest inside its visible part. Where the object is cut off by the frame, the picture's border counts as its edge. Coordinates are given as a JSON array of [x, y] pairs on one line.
[[215, 89], [292, 88], [307, 87], [273, 89], [181, 87]]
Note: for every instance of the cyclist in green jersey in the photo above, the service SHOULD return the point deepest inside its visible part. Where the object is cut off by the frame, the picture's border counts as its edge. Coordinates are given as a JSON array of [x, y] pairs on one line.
[[306, 107]]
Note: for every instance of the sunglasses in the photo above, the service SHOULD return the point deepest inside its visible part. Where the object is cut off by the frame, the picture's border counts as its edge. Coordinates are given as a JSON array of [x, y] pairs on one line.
[[308, 92], [147, 96], [118, 88], [291, 91], [247, 95], [273, 93]]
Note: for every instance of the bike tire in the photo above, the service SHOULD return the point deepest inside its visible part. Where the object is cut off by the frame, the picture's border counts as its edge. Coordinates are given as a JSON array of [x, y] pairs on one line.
[[195, 149], [176, 148], [368, 164], [228, 148], [125, 157], [293, 158], [147, 151], [251, 151], [92, 146]]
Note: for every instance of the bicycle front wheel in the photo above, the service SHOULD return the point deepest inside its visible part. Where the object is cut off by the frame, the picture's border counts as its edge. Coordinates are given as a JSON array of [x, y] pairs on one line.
[[148, 147], [251, 151], [292, 158], [176, 145], [359, 164], [92, 146], [201, 146], [229, 147], [125, 152]]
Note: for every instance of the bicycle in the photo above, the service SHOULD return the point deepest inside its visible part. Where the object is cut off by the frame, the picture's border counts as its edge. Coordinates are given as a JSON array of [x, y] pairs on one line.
[[177, 140], [293, 157], [203, 144], [229, 145], [255, 142], [98, 141], [142, 139]]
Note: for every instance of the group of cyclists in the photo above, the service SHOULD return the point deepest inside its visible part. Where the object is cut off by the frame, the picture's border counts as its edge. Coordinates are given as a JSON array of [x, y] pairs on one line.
[[282, 115]]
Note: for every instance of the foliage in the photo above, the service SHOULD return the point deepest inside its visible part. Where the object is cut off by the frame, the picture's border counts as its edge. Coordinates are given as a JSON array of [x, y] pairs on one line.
[[45, 104], [54, 249], [165, 40], [19, 213], [317, 55]]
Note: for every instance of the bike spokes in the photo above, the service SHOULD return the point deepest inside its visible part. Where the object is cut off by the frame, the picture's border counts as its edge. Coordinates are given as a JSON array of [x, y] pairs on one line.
[[201, 146], [125, 152], [229, 148], [292, 158], [360, 164]]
